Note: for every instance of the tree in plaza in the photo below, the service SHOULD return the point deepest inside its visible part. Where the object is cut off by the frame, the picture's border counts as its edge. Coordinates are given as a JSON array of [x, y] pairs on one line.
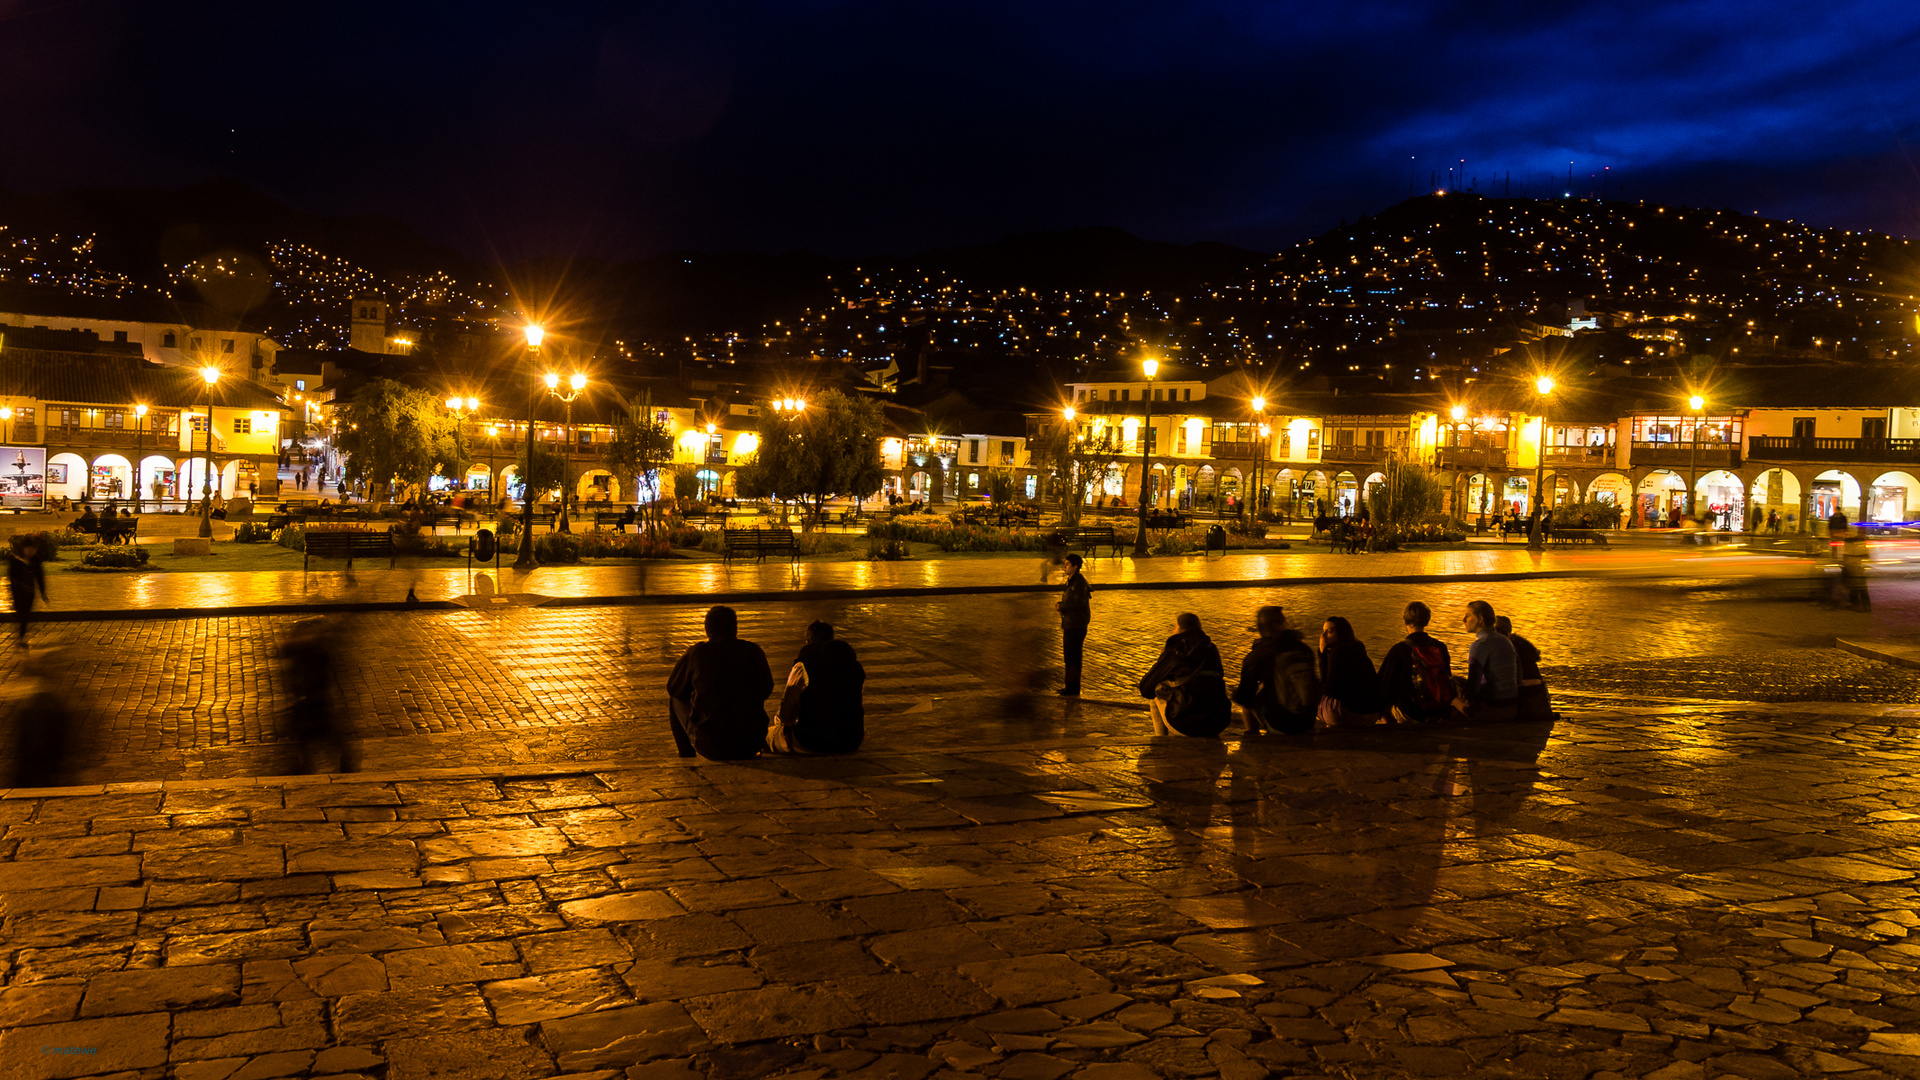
[[548, 473], [1410, 493], [830, 448], [1077, 462], [391, 431], [640, 446]]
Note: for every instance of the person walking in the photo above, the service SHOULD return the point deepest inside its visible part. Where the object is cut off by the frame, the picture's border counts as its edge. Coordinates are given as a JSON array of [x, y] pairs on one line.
[[1416, 674], [1279, 685], [26, 575], [717, 693], [1853, 570], [1491, 690], [1349, 686], [1076, 613], [1186, 688]]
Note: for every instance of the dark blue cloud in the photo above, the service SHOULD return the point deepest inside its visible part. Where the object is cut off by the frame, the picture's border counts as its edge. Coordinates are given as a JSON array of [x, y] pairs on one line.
[[859, 125]]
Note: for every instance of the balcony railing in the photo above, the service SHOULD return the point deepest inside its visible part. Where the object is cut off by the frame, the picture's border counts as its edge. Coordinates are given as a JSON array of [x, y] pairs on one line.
[[1791, 448], [1718, 455], [1236, 451], [1581, 455], [1461, 458], [1337, 452]]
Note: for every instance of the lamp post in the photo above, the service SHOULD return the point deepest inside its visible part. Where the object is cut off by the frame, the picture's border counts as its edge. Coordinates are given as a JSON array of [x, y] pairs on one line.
[[706, 453], [525, 561], [1696, 404], [460, 407], [1459, 414], [1259, 463], [1151, 367], [789, 409], [139, 452], [493, 475], [210, 375], [1536, 539], [575, 384], [1069, 469], [6, 420]]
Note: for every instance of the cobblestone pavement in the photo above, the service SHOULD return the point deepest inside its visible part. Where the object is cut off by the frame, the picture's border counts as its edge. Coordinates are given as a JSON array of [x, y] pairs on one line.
[[199, 698], [1657, 892], [373, 581]]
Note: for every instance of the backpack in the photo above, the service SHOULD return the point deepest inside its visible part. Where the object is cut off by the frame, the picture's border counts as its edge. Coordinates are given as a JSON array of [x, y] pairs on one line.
[[1432, 676]]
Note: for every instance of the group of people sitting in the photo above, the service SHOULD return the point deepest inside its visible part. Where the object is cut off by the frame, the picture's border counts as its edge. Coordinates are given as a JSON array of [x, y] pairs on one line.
[[1288, 687], [718, 691], [109, 525]]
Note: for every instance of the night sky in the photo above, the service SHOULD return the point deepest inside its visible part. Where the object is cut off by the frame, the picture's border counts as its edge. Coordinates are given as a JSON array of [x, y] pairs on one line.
[[871, 127]]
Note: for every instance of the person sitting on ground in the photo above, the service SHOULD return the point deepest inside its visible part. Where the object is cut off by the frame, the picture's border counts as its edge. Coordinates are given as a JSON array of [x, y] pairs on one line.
[[717, 693], [1536, 706], [1349, 687], [1187, 686], [1279, 684], [821, 712], [1491, 690], [1416, 674]]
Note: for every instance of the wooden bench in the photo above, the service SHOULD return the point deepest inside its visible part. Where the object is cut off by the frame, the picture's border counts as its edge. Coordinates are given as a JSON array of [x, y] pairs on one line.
[[118, 530], [1169, 520], [1578, 536], [614, 519], [1089, 539], [339, 543], [759, 543]]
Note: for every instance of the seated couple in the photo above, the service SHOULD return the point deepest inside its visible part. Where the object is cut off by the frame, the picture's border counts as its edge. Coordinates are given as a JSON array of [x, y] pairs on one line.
[[717, 696]]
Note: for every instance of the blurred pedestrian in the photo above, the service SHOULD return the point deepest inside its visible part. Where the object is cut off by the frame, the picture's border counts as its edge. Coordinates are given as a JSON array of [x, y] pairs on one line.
[[26, 575], [1076, 614], [1279, 682], [822, 711], [40, 725], [313, 714], [1491, 689], [717, 693], [1416, 674], [1853, 569], [1349, 686], [1186, 688]]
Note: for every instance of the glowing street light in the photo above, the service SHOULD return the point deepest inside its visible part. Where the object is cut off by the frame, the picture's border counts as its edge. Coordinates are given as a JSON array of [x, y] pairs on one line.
[[1152, 368], [1536, 537], [575, 383], [1697, 405], [209, 375], [525, 561]]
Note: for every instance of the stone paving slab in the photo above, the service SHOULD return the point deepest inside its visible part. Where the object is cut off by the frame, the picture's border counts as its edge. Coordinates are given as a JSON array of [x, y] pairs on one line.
[[1631, 895]]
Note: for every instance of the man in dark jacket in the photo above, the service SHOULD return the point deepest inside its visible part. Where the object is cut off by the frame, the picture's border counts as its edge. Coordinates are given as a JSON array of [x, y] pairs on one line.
[[822, 712], [1279, 681], [1416, 675], [1076, 613], [717, 693], [1187, 684]]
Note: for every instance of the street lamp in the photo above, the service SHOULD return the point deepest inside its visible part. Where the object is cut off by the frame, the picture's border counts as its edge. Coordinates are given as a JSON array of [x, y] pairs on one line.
[[576, 383], [1536, 538], [6, 416], [1259, 463], [1459, 415], [210, 375], [1151, 367], [139, 452], [1696, 404], [705, 456], [535, 335]]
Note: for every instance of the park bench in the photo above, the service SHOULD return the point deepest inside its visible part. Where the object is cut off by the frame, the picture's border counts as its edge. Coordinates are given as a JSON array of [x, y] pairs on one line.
[[276, 522], [1579, 536], [1168, 520], [614, 519], [758, 543], [119, 530], [1090, 538], [346, 543]]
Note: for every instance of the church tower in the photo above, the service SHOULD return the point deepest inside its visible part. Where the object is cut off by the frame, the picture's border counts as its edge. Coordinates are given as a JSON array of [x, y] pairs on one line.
[[369, 324]]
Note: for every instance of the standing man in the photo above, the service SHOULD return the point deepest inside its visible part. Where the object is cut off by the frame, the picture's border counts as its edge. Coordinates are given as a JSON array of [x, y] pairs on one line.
[[1076, 612]]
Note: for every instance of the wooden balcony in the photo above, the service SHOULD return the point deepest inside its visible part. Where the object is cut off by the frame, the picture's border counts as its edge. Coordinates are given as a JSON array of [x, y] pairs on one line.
[[1354, 454], [1789, 448], [1236, 451], [1471, 458], [1592, 457], [1706, 455]]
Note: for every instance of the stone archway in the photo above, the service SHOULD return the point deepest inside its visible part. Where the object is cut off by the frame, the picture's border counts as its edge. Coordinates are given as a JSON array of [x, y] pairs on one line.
[[1835, 490], [110, 477], [1661, 499], [1893, 496], [66, 477], [1720, 500], [1779, 494]]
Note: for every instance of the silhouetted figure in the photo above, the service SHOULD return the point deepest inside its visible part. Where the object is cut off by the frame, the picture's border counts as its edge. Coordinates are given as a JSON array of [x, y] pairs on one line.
[[717, 693], [39, 728], [1279, 685], [312, 714], [1076, 614], [1186, 688], [26, 575], [822, 712]]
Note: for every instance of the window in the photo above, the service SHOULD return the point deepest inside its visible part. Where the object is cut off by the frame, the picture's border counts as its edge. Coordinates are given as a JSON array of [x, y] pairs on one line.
[[1157, 392], [586, 438], [1006, 452], [973, 451], [1873, 427], [1153, 439], [226, 345], [196, 343], [117, 420], [1112, 394], [72, 418], [1803, 427], [1187, 394], [199, 423], [120, 337], [243, 425], [1126, 394], [168, 341], [23, 416], [299, 384]]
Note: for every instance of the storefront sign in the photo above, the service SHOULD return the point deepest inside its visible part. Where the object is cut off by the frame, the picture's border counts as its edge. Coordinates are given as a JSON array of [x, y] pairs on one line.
[[23, 478]]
